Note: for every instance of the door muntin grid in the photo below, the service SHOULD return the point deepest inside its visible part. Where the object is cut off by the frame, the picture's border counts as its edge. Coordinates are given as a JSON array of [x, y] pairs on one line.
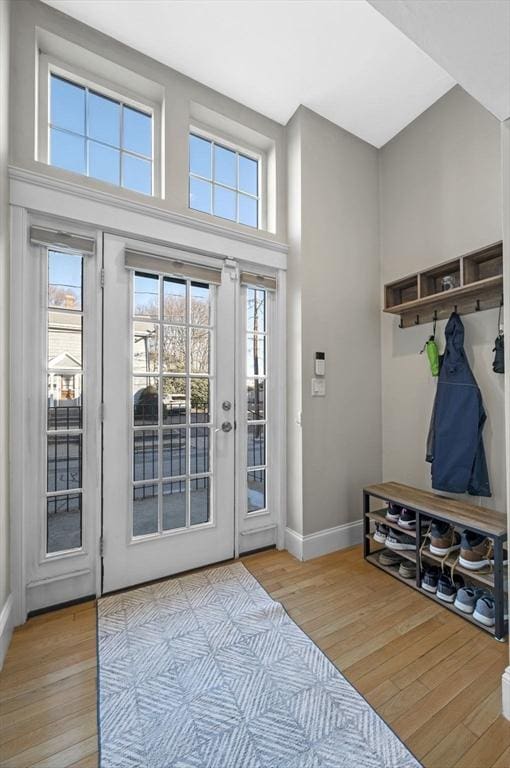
[[256, 317], [64, 286], [172, 377]]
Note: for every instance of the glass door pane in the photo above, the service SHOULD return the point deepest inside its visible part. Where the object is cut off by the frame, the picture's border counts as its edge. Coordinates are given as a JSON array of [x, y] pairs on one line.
[[172, 382]]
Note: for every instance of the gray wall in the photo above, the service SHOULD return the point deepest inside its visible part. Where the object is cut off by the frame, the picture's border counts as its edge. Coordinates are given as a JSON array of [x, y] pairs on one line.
[[179, 93], [334, 281], [4, 304], [440, 197], [294, 328]]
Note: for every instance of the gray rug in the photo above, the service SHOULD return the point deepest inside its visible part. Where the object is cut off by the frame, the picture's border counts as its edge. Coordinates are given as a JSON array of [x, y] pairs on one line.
[[207, 671]]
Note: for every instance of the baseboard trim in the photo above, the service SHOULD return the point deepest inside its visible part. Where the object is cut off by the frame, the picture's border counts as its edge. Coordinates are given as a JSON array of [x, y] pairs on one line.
[[6, 627], [505, 688], [323, 542]]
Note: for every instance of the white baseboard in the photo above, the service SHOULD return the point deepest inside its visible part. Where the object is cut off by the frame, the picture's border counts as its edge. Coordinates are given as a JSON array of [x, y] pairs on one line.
[[6, 627], [505, 687], [323, 542], [294, 543]]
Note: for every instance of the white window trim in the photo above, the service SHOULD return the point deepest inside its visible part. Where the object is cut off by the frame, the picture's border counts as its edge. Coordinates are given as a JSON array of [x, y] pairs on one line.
[[50, 65], [266, 526], [229, 142]]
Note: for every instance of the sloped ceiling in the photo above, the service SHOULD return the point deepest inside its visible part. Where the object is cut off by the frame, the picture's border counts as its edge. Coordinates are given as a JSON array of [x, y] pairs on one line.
[[470, 40], [341, 58]]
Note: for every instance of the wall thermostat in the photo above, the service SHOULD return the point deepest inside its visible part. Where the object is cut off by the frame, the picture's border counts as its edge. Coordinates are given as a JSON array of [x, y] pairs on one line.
[[320, 364]]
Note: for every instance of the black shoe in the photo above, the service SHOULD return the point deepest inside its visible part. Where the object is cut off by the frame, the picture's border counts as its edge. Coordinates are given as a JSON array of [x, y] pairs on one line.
[[430, 578], [407, 519], [380, 533], [447, 588], [393, 513]]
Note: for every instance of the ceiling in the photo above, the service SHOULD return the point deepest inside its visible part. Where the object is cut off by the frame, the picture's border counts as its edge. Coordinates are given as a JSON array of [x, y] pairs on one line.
[[341, 58], [471, 40]]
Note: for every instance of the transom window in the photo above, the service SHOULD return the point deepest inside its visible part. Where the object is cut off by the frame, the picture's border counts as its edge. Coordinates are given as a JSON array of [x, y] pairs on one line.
[[223, 182], [100, 137]]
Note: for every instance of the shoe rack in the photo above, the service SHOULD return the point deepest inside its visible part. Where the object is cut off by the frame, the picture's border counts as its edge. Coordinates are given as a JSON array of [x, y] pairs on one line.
[[457, 513]]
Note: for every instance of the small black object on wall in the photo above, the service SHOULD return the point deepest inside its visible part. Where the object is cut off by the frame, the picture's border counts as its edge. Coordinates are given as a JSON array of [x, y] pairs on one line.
[[498, 365]]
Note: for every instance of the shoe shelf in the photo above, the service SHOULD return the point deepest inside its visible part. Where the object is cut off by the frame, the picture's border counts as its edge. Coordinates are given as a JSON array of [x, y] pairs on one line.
[[407, 554], [457, 513], [393, 571], [483, 576], [379, 516]]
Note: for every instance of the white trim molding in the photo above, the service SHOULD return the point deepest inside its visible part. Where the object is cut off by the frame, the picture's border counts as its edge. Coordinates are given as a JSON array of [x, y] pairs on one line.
[[505, 686], [119, 214], [323, 542], [6, 627]]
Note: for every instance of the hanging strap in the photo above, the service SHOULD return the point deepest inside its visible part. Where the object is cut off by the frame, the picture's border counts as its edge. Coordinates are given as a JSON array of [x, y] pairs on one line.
[[500, 327]]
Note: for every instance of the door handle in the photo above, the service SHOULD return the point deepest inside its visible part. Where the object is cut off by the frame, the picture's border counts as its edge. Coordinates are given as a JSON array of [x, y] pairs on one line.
[[225, 427]]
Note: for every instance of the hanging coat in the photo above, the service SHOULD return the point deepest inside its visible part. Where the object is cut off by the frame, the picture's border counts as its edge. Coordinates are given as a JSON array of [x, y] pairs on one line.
[[455, 444]]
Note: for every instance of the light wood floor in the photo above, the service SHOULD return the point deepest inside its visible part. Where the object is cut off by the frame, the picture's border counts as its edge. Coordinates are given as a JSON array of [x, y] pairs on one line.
[[432, 676]]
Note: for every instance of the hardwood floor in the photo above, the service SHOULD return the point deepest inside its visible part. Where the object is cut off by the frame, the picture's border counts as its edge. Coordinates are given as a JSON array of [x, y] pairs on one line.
[[432, 676]]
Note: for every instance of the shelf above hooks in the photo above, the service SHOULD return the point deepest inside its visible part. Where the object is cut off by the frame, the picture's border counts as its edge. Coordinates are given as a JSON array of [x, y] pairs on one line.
[[471, 283]]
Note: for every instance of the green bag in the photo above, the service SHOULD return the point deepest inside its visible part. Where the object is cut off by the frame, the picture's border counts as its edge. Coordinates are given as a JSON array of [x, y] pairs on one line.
[[432, 355], [432, 351]]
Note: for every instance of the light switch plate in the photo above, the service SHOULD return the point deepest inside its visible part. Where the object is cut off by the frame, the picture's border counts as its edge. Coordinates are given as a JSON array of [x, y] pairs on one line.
[[318, 388]]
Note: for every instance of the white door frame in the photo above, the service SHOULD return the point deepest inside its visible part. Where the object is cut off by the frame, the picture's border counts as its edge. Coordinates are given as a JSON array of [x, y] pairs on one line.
[[35, 197], [126, 557]]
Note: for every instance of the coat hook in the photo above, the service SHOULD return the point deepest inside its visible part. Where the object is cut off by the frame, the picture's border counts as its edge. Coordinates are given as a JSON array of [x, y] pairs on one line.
[[401, 322], [455, 308], [434, 317], [477, 305], [417, 321]]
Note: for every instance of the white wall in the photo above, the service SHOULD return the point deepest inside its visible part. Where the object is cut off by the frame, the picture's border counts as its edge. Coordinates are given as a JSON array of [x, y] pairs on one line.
[[180, 95], [333, 308], [4, 329], [505, 193], [440, 197]]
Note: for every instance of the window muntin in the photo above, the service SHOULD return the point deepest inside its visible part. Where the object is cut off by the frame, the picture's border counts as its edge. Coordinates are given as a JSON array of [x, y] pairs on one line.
[[223, 182], [99, 136], [256, 398], [64, 407], [172, 419]]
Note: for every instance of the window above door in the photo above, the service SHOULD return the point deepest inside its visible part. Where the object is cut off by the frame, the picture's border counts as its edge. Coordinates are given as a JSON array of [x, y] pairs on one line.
[[98, 129], [98, 136], [224, 180]]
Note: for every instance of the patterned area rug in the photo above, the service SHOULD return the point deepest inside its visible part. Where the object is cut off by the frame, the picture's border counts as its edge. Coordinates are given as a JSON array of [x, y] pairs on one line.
[[207, 671]]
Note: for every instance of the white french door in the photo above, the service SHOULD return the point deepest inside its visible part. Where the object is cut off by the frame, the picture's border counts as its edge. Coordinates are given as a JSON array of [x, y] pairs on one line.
[[168, 414]]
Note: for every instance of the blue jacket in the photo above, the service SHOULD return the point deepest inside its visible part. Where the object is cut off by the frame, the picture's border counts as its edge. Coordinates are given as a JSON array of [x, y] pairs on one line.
[[455, 444]]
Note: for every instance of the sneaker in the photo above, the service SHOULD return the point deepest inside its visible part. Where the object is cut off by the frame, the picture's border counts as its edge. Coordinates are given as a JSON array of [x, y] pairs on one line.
[[443, 539], [430, 578], [380, 533], [447, 588], [407, 519], [393, 513], [467, 597], [485, 610], [398, 541], [476, 551], [388, 558], [407, 569]]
